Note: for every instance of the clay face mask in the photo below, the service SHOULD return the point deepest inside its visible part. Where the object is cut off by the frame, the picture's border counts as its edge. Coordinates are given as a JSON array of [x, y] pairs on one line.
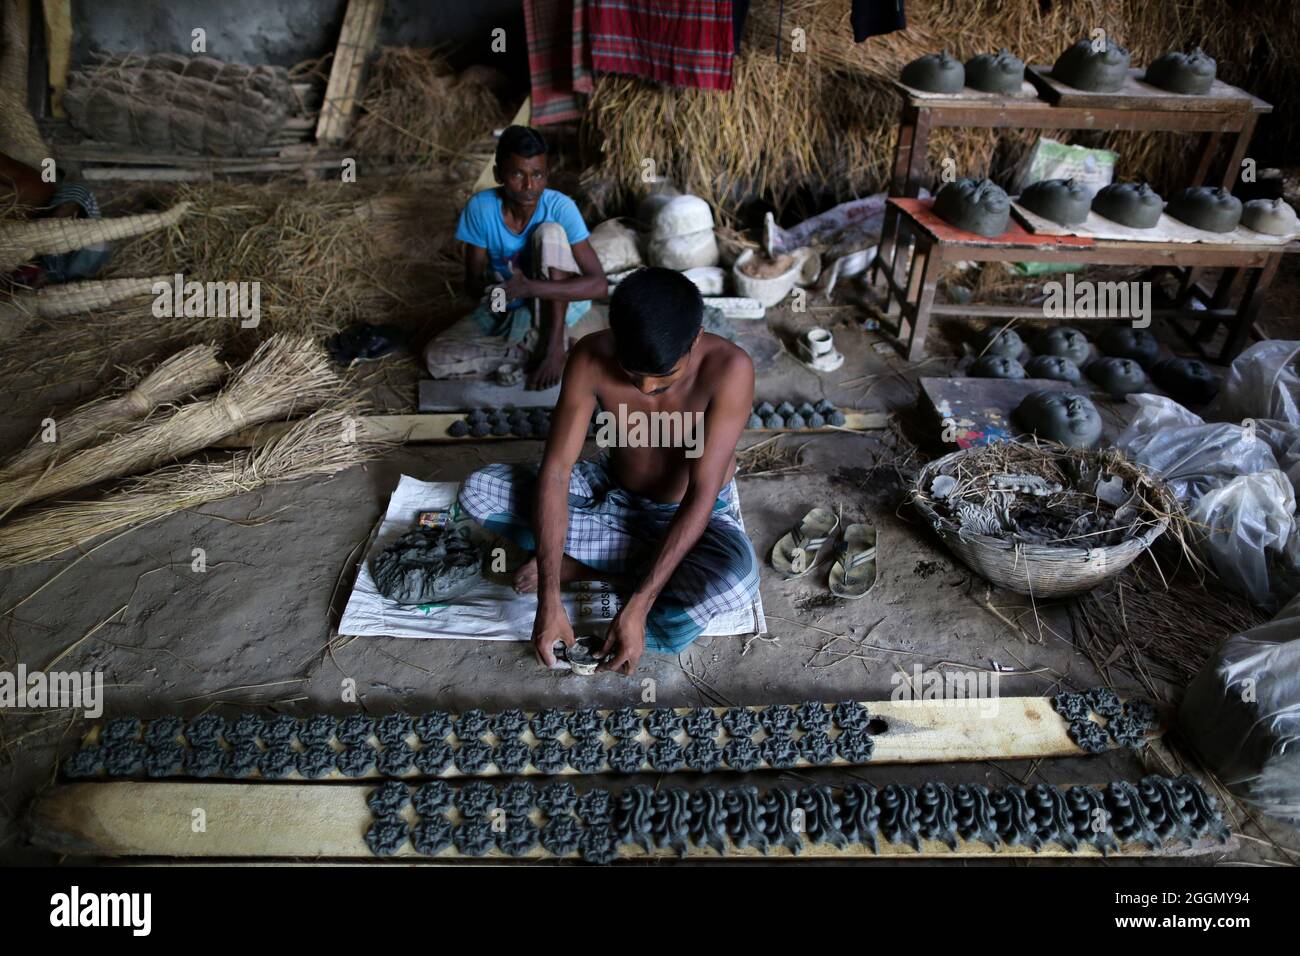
[[1065, 417], [1063, 201], [1135, 205], [1183, 72], [999, 72], [935, 73], [1055, 367], [1189, 381], [999, 341], [996, 366], [974, 205], [1211, 208], [1123, 341], [1098, 71], [1273, 217], [1119, 376], [1064, 341]]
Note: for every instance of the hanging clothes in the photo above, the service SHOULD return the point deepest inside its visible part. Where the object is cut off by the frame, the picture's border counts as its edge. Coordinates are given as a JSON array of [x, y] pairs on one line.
[[871, 18], [559, 65], [680, 42]]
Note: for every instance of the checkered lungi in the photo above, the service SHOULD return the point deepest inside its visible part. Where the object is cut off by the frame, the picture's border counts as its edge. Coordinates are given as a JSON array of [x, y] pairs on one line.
[[615, 531]]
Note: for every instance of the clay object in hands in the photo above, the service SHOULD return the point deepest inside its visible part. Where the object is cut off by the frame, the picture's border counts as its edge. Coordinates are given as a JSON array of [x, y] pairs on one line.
[[1056, 367], [1273, 217], [1119, 376], [1123, 341], [1063, 201], [1001, 72], [996, 366], [1211, 208], [1180, 72], [1135, 205], [1189, 381], [980, 206], [1065, 341], [1086, 68], [999, 341], [1065, 417], [427, 565], [935, 73]]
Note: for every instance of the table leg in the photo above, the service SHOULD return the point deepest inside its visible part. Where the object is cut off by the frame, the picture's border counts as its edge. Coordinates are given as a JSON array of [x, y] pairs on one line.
[[1239, 147], [1248, 310], [903, 150], [1209, 152], [918, 162], [1231, 281], [921, 289]]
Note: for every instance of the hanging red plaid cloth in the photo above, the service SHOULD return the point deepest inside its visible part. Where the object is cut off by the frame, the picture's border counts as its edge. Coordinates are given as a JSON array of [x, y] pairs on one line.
[[680, 42], [558, 65]]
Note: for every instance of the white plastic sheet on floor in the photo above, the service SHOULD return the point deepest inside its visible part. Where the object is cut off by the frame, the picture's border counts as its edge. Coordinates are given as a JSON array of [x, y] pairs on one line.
[[491, 611]]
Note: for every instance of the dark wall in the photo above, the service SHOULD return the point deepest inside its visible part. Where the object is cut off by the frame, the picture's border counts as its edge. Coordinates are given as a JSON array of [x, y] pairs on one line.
[[284, 32]]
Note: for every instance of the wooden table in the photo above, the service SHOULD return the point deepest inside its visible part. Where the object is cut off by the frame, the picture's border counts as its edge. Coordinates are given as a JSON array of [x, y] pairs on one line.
[[910, 299], [1229, 117]]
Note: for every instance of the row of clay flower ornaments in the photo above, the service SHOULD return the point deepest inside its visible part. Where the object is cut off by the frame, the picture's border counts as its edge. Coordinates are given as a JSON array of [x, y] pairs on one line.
[[1129, 355], [477, 818]]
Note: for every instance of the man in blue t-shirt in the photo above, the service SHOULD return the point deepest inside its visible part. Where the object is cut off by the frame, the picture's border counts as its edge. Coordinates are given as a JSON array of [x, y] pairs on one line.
[[528, 262]]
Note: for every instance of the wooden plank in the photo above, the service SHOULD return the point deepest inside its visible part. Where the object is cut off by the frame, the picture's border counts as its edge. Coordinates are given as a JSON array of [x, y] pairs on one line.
[[58, 50], [523, 116], [329, 821], [433, 428], [356, 40], [1138, 95]]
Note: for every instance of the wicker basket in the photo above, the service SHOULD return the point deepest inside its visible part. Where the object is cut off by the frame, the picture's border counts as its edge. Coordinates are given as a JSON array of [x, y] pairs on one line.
[[1043, 571]]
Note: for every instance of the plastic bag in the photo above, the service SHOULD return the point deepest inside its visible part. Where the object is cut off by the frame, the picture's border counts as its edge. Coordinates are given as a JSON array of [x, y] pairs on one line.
[[1242, 714], [1244, 527], [1262, 382]]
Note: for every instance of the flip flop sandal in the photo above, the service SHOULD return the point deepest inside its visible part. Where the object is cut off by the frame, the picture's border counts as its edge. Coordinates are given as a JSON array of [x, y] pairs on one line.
[[796, 553], [854, 572]]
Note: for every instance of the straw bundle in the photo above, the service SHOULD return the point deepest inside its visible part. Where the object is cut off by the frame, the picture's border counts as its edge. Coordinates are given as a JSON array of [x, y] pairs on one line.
[[59, 300], [287, 374], [189, 372], [20, 241], [416, 108], [313, 446], [19, 135]]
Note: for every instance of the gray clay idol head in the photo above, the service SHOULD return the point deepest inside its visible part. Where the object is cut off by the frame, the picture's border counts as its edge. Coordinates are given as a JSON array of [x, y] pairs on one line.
[[935, 73], [1189, 381], [1118, 376], [1000, 72], [999, 341], [1274, 217], [1056, 367], [1124, 341], [1065, 341], [1063, 201], [974, 205], [1085, 67], [996, 366], [1065, 417], [1211, 208], [1180, 72], [1135, 205]]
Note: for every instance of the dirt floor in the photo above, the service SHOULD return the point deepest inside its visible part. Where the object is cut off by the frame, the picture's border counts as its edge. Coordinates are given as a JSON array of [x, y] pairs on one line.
[[256, 629]]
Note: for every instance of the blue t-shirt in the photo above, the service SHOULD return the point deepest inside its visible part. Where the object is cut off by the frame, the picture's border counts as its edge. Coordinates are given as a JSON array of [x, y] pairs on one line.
[[481, 224]]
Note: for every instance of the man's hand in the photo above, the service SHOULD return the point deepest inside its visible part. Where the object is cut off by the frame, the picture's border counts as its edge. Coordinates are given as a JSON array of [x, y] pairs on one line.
[[518, 286], [551, 625], [625, 640]]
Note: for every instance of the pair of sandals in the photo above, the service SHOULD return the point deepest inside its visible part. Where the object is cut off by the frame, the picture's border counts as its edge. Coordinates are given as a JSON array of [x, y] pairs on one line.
[[854, 572]]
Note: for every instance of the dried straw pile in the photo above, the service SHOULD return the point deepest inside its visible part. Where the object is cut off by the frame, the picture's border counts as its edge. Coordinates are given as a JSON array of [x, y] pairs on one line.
[[417, 109], [825, 120]]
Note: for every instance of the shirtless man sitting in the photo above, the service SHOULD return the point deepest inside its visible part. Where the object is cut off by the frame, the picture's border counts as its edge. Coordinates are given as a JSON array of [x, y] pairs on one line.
[[664, 520]]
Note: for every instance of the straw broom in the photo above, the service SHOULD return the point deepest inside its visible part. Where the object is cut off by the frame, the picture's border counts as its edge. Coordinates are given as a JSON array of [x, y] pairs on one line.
[[188, 372], [286, 375], [315, 446], [71, 298]]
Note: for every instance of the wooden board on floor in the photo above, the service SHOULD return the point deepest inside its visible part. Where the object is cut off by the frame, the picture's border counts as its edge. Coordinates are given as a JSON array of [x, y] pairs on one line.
[[981, 408], [329, 821], [451, 395], [357, 39], [1137, 95], [433, 428]]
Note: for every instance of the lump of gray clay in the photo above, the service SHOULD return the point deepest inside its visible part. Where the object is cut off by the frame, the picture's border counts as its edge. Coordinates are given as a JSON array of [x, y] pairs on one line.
[[1065, 417], [430, 799], [1211, 208], [796, 421], [996, 366], [1002, 72], [754, 422], [427, 565], [935, 73], [164, 730], [1189, 381], [480, 429], [816, 420], [433, 727], [740, 722], [512, 756], [836, 418], [431, 837], [1064, 341], [1118, 376], [774, 421], [388, 798], [785, 409], [805, 409], [472, 724], [1273, 217], [476, 415], [1124, 341], [763, 409], [473, 757], [1135, 205], [824, 407], [1179, 72], [458, 429], [1054, 367], [703, 755], [623, 723], [1063, 201], [626, 756], [432, 759], [1086, 68], [850, 715], [974, 205], [998, 341]]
